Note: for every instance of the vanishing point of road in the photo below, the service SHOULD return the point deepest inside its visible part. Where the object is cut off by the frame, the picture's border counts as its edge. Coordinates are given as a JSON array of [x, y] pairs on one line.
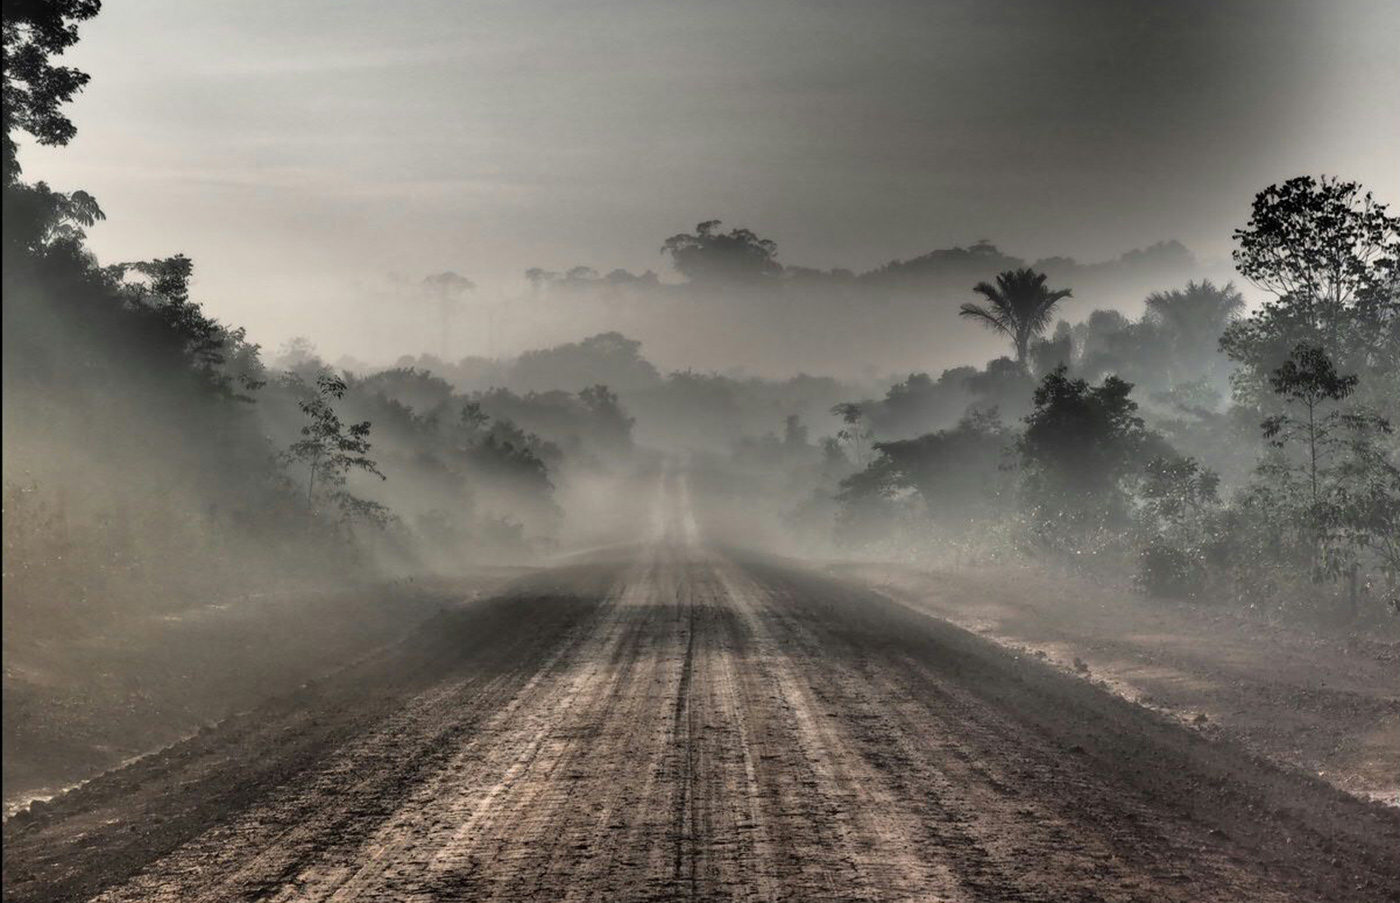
[[676, 720]]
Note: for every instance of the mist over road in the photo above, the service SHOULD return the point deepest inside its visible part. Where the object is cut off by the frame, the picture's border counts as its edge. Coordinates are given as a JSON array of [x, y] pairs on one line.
[[676, 720]]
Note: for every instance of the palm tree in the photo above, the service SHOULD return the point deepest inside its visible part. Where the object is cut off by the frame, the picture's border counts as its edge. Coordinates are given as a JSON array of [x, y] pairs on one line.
[[1186, 325], [1194, 317], [1019, 305]]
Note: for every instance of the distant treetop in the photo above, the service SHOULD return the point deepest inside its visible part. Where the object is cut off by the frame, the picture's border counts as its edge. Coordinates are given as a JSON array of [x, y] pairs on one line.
[[712, 256]]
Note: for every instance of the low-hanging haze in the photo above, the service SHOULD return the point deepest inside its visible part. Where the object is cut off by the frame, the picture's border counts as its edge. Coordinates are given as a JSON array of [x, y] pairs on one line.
[[302, 151]]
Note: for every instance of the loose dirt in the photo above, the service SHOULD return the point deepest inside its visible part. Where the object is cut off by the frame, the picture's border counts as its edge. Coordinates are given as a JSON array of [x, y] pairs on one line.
[[672, 721], [77, 704], [1324, 701]]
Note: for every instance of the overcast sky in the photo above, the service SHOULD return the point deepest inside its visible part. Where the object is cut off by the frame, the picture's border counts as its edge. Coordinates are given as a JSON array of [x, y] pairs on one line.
[[296, 148]]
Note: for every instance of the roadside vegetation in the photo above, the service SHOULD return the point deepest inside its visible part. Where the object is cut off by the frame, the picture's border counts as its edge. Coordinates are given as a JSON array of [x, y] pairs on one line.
[[1209, 451], [1203, 448], [156, 457]]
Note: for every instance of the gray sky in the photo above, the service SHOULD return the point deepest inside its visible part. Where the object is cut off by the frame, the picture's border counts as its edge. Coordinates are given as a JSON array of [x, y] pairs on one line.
[[298, 148]]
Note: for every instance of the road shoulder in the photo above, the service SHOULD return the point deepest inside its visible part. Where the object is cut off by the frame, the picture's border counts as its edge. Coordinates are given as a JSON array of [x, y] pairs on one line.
[[1325, 704], [77, 706]]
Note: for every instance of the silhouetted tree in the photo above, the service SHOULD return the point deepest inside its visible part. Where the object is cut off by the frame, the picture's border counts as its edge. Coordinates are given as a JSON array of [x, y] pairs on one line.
[[957, 472], [34, 32], [1081, 446], [1003, 385], [330, 450], [794, 433], [178, 332], [1175, 492], [611, 425], [1019, 306], [1308, 379], [855, 435], [1318, 245], [1334, 482], [712, 256], [942, 268], [513, 459], [609, 357], [1196, 315], [473, 419], [34, 91], [1330, 256]]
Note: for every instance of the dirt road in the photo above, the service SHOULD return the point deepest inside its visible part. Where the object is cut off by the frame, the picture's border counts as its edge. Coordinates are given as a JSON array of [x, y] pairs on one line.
[[674, 721]]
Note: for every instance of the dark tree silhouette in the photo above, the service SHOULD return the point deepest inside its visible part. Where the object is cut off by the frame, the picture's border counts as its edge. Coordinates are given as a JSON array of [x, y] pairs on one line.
[[1019, 306], [609, 357], [34, 91], [1080, 446], [1003, 385], [856, 434], [955, 471], [1308, 379], [712, 256], [330, 450], [1319, 244], [219, 355], [35, 31], [1349, 499], [513, 459], [1330, 256], [612, 427]]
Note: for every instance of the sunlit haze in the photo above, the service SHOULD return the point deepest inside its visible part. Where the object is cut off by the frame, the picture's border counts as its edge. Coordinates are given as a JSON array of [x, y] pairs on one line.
[[303, 152]]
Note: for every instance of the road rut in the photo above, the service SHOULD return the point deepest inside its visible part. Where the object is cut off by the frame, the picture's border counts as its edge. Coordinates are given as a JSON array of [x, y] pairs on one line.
[[677, 721]]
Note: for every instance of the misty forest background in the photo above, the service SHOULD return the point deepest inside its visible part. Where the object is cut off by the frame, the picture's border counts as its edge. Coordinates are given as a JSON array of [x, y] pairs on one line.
[[1199, 447]]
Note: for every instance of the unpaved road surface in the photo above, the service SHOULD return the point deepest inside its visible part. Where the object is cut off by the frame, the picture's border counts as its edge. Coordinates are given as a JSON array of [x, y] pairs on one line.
[[673, 721], [1318, 699]]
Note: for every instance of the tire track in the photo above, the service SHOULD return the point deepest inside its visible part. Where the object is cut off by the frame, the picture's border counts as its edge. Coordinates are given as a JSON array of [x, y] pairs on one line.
[[715, 728]]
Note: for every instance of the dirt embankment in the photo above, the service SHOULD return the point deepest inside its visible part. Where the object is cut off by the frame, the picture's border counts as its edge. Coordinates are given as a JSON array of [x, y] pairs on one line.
[[76, 705], [1325, 702]]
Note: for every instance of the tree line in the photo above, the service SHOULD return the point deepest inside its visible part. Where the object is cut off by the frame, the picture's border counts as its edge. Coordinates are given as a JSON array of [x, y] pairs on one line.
[[1091, 476], [155, 453]]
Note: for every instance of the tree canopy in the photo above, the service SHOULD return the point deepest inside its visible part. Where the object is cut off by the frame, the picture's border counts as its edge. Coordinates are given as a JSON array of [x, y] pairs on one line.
[[35, 89], [1019, 306], [710, 255]]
